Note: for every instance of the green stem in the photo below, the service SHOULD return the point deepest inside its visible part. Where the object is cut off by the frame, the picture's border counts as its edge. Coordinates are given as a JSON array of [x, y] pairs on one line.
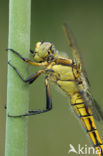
[[18, 91]]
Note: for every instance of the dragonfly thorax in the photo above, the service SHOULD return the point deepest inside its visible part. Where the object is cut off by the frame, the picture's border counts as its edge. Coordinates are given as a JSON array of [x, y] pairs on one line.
[[44, 51]]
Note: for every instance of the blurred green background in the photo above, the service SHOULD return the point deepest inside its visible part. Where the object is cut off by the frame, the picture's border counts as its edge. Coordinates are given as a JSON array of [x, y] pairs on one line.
[[51, 133]]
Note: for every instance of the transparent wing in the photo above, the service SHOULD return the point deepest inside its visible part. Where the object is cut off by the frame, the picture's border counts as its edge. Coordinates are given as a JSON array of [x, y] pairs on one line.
[[88, 98], [75, 50], [91, 102]]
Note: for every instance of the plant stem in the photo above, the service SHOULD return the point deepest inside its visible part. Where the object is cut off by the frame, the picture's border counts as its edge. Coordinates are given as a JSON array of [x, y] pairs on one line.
[[18, 91]]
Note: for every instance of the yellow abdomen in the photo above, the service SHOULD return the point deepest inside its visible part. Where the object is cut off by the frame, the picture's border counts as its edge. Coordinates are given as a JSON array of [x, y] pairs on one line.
[[68, 80], [85, 114]]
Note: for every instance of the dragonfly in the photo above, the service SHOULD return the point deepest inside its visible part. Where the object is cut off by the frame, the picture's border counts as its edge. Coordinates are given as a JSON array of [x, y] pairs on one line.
[[70, 75]]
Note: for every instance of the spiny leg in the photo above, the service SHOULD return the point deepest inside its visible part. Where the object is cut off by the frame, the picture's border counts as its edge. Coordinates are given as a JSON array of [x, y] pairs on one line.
[[48, 100], [48, 103], [15, 52], [29, 79], [48, 96], [26, 59]]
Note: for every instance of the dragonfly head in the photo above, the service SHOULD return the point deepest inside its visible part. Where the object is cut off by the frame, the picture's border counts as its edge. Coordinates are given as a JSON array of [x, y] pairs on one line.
[[44, 51]]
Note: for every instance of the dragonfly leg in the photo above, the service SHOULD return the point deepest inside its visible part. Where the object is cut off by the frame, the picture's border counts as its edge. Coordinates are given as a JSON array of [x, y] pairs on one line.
[[48, 103], [15, 52], [26, 59], [29, 79]]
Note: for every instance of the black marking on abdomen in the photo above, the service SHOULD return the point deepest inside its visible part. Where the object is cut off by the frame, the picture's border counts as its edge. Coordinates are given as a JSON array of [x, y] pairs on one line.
[[77, 104], [90, 122], [95, 136], [82, 116], [92, 130]]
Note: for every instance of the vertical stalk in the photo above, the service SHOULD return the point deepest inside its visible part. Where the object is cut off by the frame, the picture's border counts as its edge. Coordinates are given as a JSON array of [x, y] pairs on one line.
[[18, 91]]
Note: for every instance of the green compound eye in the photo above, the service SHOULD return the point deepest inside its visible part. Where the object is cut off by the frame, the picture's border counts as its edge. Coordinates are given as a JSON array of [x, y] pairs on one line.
[[44, 51]]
